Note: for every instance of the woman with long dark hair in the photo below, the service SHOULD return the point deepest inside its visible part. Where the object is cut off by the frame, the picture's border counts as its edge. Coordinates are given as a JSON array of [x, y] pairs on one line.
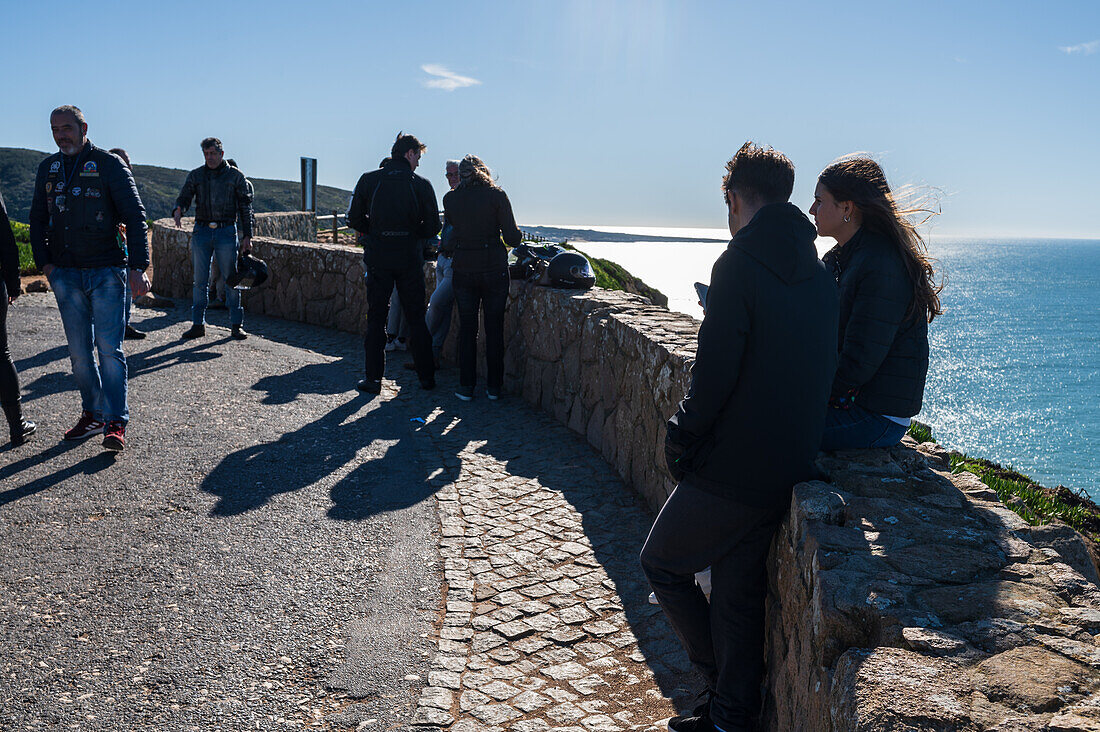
[[888, 296], [19, 428], [481, 215]]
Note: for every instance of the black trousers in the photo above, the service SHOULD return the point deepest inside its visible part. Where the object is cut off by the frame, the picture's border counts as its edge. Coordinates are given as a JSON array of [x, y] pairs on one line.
[[9, 381], [476, 291], [409, 282], [723, 638]]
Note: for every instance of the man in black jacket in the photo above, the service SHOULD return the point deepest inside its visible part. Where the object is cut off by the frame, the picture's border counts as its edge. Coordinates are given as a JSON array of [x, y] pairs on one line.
[[81, 195], [748, 430], [395, 210], [222, 198]]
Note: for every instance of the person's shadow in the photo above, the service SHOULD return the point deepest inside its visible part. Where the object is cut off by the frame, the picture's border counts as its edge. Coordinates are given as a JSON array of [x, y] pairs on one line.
[[88, 466], [249, 478]]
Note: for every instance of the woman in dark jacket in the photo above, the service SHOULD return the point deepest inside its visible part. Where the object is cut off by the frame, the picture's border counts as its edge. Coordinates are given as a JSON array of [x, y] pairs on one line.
[[887, 299], [480, 214], [20, 428]]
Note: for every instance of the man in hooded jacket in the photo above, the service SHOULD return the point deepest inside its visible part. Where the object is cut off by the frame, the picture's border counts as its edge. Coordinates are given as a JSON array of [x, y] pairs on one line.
[[748, 430]]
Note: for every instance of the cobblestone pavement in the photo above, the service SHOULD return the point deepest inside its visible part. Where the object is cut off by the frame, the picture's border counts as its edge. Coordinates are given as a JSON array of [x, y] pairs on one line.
[[546, 623], [276, 567]]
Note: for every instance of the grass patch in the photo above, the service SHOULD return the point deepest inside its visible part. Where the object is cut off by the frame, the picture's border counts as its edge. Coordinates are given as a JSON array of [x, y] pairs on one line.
[[23, 242], [1022, 495]]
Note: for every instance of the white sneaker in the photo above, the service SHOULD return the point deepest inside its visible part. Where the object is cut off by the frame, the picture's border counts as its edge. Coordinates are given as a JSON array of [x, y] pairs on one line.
[[701, 578]]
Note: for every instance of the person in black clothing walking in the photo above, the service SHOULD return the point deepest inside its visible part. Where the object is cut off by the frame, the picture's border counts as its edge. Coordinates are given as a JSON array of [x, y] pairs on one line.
[[887, 299], [395, 211], [747, 431], [19, 428], [222, 198], [481, 214]]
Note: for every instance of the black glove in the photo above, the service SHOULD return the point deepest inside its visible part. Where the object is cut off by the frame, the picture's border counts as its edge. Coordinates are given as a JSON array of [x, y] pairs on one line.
[[674, 451]]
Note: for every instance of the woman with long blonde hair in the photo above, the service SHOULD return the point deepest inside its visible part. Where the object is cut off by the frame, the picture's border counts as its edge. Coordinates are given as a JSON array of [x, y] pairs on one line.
[[888, 296]]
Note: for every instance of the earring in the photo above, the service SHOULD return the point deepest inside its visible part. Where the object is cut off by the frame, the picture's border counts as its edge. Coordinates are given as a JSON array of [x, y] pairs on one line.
[[847, 218]]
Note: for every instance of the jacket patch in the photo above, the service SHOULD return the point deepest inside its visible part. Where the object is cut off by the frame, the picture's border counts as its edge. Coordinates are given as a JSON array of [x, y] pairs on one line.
[[55, 166], [89, 167], [49, 187], [75, 191], [99, 216], [93, 174], [91, 193], [60, 186], [59, 201]]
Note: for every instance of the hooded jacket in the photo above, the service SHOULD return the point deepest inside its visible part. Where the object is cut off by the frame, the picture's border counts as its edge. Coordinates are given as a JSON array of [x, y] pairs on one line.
[[752, 420], [9, 252], [883, 346], [78, 204]]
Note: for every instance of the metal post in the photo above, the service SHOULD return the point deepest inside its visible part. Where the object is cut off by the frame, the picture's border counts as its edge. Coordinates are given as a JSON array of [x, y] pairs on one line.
[[309, 184], [335, 238]]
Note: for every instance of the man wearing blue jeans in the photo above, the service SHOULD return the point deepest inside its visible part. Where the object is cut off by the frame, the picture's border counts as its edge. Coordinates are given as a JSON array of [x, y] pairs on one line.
[[81, 195], [222, 197], [747, 431]]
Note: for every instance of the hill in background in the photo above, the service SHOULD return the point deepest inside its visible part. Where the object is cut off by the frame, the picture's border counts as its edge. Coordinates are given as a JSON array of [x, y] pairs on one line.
[[158, 188]]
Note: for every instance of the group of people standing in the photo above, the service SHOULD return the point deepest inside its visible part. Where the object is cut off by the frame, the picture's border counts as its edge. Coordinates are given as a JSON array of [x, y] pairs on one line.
[[396, 214], [795, 354]]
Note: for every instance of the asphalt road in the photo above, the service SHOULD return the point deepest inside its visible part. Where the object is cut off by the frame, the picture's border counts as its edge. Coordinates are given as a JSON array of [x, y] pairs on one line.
[[261, 556]]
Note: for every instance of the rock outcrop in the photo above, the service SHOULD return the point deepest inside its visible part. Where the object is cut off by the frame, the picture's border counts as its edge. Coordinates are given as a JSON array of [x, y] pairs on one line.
[[907, 598]]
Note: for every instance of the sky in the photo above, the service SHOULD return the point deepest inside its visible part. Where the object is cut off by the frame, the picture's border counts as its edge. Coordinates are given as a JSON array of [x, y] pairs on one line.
[[592, 112]]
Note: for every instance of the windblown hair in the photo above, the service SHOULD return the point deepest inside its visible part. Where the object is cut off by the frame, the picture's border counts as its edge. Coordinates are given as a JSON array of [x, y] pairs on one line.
[[73, 110], [473, 172], [860, 179], [761, 174], [404, 143], [212, 142]]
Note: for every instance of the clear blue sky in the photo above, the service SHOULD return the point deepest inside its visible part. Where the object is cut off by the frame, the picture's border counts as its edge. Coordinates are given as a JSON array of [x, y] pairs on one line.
[[612, 112]]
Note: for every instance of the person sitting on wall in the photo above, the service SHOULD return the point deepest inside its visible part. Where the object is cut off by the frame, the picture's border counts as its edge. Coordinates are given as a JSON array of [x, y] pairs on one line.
[[887, 299], [222, 198], [747, 431]]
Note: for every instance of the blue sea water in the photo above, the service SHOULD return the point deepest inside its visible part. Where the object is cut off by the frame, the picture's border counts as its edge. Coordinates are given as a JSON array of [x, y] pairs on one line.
[[1015, 358]]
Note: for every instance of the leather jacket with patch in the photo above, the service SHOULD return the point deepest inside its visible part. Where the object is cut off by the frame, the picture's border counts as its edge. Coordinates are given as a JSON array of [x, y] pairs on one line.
[[221, 195], [78, 204]]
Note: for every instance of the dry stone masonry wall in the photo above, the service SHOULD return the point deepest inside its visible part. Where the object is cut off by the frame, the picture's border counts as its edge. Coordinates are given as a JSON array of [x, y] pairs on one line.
[[903, 597]]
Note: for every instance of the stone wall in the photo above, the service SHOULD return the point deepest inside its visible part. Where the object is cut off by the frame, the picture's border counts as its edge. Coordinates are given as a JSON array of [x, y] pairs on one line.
[[903, 597]]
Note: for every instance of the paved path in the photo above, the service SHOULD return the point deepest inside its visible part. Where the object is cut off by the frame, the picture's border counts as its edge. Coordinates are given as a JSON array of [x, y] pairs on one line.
[[267, 552]]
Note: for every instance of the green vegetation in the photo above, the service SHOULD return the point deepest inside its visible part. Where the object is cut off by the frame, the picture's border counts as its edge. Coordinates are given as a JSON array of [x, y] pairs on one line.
[[23, 241], [1032, 502]]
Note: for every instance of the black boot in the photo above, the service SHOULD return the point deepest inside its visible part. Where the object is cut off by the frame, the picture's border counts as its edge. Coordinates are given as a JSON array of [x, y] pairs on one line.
[[20, 428]]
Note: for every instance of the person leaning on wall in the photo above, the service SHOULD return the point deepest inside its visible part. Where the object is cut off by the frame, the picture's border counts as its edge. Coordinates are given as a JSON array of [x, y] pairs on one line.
[[745, 434]]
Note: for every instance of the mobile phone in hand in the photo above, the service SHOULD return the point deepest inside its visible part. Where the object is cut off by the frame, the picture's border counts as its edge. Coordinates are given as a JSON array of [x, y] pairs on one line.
[[701, 290]]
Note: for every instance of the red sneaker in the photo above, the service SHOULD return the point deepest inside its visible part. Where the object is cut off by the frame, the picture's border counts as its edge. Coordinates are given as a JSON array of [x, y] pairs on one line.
[[114, 438], [85, 427]]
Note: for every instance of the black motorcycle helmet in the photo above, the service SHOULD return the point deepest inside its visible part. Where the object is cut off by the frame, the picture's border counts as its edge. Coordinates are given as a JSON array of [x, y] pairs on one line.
[[251, 272], [570, 270]]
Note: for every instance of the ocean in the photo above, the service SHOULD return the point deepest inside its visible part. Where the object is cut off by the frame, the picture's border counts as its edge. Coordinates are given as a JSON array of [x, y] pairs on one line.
[[1014, 372]]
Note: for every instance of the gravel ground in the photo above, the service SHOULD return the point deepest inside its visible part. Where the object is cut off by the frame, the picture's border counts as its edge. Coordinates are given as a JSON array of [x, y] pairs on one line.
[[263, 555]]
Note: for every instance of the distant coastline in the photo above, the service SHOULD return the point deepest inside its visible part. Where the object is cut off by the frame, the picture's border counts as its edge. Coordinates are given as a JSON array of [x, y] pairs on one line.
[[560, 234]]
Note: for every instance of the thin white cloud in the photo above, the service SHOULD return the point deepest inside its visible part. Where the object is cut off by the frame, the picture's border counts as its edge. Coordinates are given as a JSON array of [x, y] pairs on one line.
[[1085, 49], [446, 79]]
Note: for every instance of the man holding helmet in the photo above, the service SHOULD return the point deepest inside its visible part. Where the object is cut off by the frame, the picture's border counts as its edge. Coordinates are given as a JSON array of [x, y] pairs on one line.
[[222, 197]]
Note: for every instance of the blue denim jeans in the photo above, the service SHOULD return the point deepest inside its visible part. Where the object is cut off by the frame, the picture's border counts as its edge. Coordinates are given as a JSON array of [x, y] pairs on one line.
[[205, 244], [854, 428], [441, 303], [93, 311]]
